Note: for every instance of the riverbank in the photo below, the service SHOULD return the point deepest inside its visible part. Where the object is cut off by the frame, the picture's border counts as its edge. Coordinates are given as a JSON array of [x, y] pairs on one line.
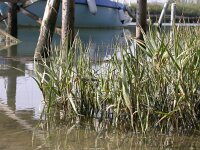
[[185, 12]]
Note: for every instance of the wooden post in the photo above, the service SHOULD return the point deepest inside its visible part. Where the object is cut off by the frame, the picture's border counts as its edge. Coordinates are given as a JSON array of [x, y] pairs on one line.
[[141, 18], [173, 14], [68, 21], [12, 19], [173, 18], [47, 29], [163, 14]]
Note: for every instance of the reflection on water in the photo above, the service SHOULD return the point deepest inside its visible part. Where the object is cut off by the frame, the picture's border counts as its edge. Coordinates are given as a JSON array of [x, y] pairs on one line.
[[14, 136], [21, 104], [88, 136], [101, 39], [18, 89]]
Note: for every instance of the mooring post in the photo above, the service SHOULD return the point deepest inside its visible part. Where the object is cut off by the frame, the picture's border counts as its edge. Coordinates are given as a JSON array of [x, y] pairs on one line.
[[141, 19], [47, 29], [173, 14], [160, 21], [12, 19], [67, 22], [173, 19]]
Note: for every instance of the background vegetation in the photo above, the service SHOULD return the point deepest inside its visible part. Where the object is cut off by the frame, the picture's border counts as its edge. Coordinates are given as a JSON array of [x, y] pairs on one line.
[[183, 9]]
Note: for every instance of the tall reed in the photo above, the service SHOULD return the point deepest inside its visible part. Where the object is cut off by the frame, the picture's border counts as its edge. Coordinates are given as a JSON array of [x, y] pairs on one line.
[[155, 86]]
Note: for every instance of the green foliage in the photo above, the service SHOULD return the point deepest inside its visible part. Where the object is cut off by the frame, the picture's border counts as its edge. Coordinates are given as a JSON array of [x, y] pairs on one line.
[[155, 86]]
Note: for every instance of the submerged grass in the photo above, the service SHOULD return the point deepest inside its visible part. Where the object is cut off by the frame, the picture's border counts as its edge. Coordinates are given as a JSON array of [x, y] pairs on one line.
[[154, 87]]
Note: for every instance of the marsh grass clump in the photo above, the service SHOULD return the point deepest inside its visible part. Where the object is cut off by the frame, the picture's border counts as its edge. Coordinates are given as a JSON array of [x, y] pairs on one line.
[[156, 86]]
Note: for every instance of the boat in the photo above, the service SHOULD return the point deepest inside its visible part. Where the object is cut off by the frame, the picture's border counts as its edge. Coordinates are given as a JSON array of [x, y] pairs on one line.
[[88, 13]]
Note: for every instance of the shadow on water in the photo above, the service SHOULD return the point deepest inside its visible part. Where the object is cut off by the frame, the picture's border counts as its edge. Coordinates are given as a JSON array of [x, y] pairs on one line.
[[21, 105]]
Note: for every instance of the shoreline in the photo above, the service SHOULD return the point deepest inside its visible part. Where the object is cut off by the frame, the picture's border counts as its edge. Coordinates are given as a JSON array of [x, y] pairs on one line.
[[185, 13]]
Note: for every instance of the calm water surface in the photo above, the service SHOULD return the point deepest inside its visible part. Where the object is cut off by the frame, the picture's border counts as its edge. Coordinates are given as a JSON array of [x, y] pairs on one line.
[[21, 105]]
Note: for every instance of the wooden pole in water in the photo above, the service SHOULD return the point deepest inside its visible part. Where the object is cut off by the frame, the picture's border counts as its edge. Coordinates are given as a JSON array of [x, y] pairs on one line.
[[47, 29], [68, 22], [12, 19], [141, 19]]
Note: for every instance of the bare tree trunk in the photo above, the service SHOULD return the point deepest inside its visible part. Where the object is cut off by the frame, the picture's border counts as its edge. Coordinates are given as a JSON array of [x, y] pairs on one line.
[[68, 21], [12, 19], [47, 29], [141, 22]]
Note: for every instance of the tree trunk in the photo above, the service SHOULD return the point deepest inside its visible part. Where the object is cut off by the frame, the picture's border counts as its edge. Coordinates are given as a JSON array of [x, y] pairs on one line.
[[47, 29], [68, 22], [141, 20], [12, 19]]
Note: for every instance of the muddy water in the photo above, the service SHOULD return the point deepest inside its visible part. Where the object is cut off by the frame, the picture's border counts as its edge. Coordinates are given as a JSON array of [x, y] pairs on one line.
[[14, 136], [21, 105], [88, 139]]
